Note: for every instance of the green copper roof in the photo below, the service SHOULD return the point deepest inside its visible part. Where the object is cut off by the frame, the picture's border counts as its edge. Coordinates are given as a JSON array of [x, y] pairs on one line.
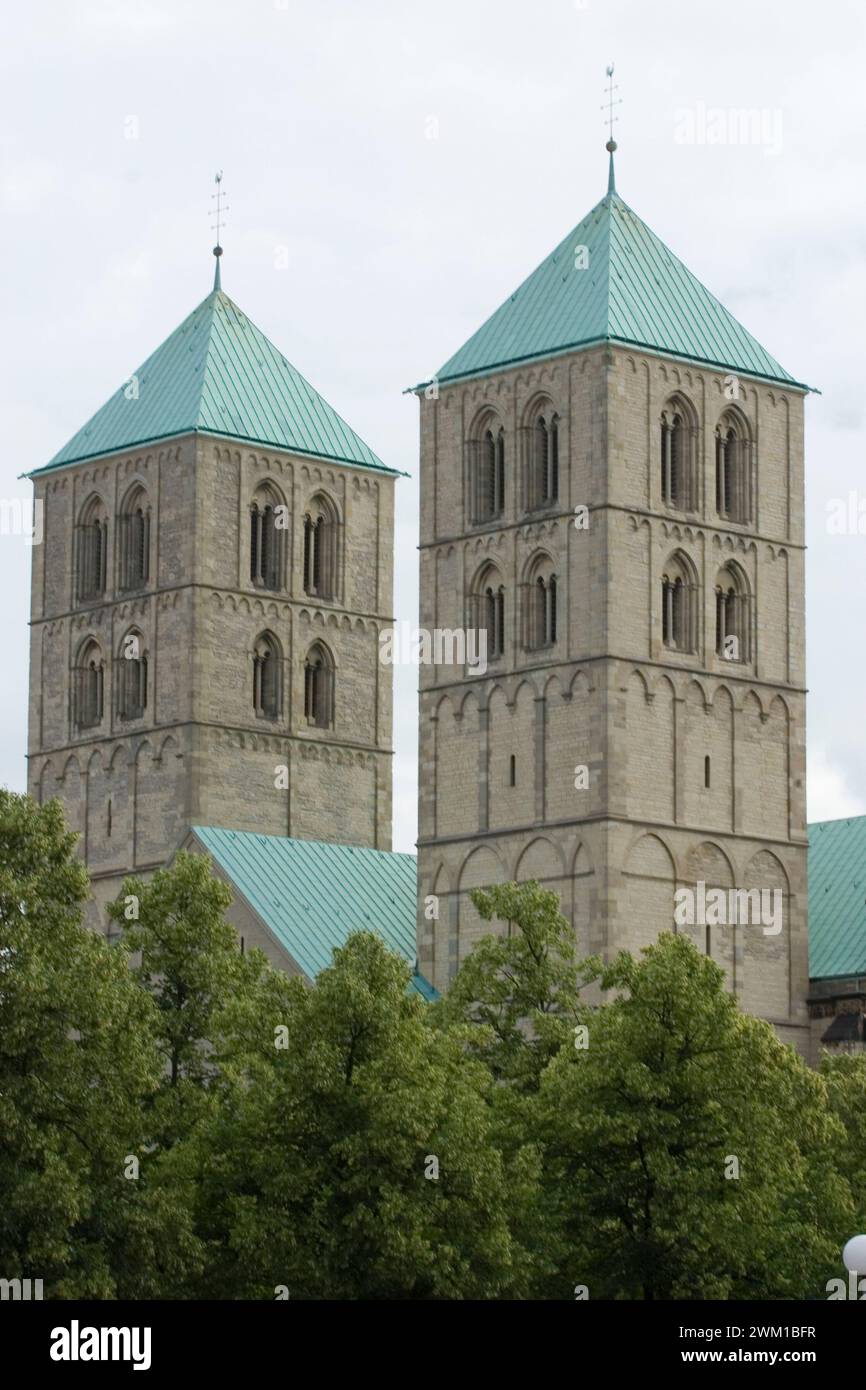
[[218, 374], [633, 290], [311, 895], [837, 898]]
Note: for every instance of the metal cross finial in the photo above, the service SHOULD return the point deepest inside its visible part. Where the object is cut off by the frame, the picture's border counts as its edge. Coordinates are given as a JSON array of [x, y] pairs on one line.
[[221, 209], [611, 103]]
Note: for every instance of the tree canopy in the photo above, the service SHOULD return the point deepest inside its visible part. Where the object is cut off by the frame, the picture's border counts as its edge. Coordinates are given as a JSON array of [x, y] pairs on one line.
[[180, 1120]]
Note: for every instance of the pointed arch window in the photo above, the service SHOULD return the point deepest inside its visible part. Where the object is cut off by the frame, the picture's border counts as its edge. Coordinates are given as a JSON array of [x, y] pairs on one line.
[[267, 677], [678, 458], [132, 678], [319, 688], [321, 549], [134, 542], [267, 537], [487, 473], [733, 469], [91, 548], [87, 687]]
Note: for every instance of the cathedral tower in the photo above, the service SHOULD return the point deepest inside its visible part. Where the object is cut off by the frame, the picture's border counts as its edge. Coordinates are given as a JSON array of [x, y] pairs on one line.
[[216, 568], [612, 489]]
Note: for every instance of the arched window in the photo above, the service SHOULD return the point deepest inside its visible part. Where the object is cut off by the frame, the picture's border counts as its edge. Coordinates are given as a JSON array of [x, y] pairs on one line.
[[539, 605], [268, 524], [319, 687], [733, 615], [321, 548], [733, 468], [678, 457], [91, 546], [132, 677], [542, 459], [679, 605], [487, 610], [487, 472], [267, 677], [87, 688], [134, 541]]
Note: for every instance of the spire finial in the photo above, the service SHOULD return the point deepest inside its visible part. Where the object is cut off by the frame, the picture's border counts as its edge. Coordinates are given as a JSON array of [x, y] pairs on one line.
[[611, 120], [220, 211]]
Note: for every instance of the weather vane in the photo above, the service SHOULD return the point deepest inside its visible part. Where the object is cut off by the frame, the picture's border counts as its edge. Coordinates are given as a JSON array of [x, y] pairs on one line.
[[611, 103], [221, 209]]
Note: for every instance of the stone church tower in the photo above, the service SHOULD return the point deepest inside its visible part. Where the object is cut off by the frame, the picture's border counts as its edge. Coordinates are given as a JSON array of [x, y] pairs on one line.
[[612, 487], [216, 568]]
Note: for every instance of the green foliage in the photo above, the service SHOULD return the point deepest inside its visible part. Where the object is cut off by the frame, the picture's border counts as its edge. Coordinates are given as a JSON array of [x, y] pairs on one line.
[[520, 989], [346, 1141], [322, 1176], [845, 1080], [690, 1153], [188, 959], [77, 1064]]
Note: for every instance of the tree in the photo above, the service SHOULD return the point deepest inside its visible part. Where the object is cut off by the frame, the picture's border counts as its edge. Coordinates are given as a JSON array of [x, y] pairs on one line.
[[689, 1153], [520, 990], [844, 1076], [77, 1059], [187, 959], [352, 1158]]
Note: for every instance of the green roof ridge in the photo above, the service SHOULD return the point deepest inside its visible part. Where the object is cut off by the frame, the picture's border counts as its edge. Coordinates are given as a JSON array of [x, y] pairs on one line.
[[632, 291], [218, 373]]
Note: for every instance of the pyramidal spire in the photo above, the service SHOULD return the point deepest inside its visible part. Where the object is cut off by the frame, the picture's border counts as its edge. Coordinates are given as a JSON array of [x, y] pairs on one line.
[[221, 210], [611, 146]]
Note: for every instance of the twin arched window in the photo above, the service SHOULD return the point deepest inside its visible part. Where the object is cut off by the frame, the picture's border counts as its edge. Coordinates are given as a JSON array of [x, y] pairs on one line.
[[268, 682], [486, 606], [133, 546], [486, 452], [88, 682], [678, 462], [680, 610]]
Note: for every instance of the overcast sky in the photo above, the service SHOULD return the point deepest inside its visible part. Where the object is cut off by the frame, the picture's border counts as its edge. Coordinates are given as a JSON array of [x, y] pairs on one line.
[[394, 171]]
